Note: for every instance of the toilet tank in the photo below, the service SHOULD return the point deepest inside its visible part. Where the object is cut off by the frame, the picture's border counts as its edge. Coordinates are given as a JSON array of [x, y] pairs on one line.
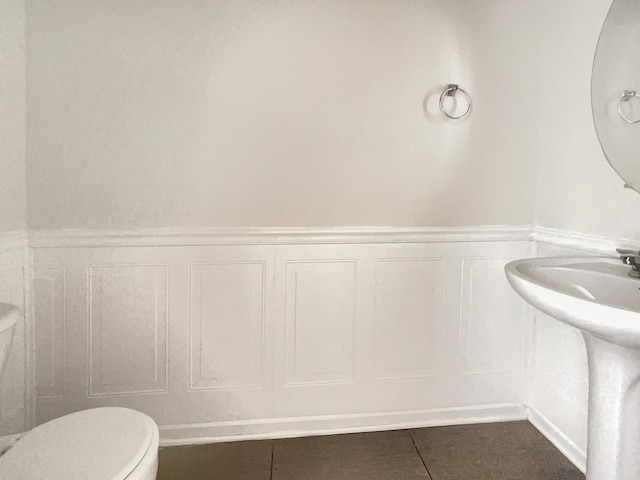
[[9, 315]]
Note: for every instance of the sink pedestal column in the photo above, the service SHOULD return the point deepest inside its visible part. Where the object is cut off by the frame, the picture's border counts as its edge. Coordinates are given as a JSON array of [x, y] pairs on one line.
[[614, 411]]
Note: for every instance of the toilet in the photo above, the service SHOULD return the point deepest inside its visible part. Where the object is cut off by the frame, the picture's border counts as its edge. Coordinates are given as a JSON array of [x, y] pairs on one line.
[[109, 443]]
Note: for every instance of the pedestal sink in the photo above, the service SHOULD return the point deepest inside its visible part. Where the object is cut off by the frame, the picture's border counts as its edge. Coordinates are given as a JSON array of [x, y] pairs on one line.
[[597, 296]]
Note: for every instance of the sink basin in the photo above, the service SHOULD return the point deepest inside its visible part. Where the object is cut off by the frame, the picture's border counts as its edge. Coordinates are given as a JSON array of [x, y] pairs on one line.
[[597, 296], [593, 294]]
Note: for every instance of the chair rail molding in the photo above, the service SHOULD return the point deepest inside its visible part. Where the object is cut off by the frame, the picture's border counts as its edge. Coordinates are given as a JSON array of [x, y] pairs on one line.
[[581, 241], [274, 236]]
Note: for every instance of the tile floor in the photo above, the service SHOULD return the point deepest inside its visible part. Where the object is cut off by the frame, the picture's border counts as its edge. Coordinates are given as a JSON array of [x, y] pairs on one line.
[[498, 451]]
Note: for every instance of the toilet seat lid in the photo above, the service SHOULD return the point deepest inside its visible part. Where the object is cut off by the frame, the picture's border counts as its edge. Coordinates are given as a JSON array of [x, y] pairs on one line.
[[96, 444]]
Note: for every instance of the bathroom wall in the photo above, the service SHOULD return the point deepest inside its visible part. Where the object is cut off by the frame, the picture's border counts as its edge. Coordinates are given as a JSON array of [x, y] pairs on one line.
[[182, 116], [577, 189], [13, 256], [582, 208], [12, 117], [297, 114], [279, 113]]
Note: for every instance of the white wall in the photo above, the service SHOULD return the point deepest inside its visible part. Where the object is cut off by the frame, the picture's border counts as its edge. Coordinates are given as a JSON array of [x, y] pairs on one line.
[[295, 113], [14, 411], [579, 192], [270, 113], [12, 116], [577, 189]]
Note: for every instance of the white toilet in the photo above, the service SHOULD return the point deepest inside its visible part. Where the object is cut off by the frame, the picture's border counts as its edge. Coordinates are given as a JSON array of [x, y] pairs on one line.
[[98, 444]]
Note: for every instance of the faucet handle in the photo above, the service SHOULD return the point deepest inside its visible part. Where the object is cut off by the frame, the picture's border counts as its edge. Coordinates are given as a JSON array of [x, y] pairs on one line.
[[632, 258]]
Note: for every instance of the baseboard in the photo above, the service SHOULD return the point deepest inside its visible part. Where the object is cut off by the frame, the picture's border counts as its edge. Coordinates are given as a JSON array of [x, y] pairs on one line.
[[172, 435], [561, 441]]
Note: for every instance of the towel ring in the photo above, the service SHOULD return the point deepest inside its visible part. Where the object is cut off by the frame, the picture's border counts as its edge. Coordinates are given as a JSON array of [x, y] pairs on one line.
[[626, 96], [450, 91]]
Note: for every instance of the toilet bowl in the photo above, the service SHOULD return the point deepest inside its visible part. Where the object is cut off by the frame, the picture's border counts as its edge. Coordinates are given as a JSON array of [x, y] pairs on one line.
[[108, 443], [98, 444]]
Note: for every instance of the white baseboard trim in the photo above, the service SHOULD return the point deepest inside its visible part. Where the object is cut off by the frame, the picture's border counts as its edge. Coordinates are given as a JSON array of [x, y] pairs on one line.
[[174, 435], [561, 441]]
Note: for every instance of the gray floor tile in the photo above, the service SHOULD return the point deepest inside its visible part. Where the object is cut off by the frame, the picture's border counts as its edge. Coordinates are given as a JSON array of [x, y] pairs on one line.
[[370, 456], [222, 461], [499, 451]]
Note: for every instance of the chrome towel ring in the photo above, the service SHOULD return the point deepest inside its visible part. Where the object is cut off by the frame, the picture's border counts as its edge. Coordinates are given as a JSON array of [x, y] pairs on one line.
[[627, 95], [450, 91]]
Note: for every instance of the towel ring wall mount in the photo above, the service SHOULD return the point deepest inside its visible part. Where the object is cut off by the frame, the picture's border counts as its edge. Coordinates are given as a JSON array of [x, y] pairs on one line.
[[450, 91]]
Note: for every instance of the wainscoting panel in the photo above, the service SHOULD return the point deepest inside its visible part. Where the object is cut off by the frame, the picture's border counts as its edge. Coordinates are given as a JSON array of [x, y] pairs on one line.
[[559, 376], [408, 317], [15, 394], [49, 318], [127, 329], [490, 342], [281, 333], [320, 314], [228, 306]]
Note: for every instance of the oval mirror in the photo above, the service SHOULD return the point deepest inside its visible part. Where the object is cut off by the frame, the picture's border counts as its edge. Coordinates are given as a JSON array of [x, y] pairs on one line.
[[615, 90]]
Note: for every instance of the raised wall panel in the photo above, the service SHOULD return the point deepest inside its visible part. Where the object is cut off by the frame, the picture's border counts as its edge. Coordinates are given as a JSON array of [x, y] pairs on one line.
[[49, 318], [320, 321], [491, 324], [227, 325], [12, 388], [127, 329], [408, 317]]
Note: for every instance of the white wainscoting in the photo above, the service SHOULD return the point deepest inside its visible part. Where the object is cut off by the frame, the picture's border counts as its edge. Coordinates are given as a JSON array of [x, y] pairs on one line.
[[558, 377], [280, 333], [271, 333], [16, 407], [557, 372]]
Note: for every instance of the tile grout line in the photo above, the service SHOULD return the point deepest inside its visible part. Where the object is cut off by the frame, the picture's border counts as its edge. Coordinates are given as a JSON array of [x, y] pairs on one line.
[[420, 455], [273, 448]]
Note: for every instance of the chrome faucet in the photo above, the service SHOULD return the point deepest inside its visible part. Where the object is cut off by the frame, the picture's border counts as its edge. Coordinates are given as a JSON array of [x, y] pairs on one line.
[[631, 258]]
